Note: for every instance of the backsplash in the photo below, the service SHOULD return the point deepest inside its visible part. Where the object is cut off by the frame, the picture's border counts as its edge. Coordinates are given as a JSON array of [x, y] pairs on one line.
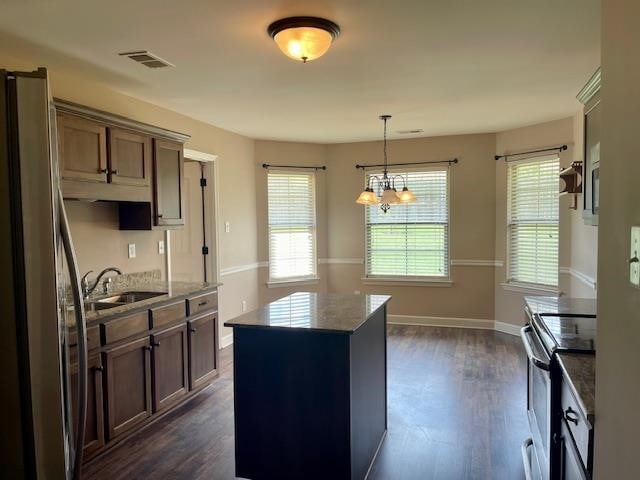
[[100, 244]]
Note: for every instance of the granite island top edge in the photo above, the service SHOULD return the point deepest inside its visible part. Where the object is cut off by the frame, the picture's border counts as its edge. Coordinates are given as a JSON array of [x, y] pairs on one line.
[[580, 371], [313, 312]]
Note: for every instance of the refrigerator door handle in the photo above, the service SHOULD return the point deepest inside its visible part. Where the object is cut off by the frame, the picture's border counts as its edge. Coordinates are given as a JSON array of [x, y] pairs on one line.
[[81, 328]]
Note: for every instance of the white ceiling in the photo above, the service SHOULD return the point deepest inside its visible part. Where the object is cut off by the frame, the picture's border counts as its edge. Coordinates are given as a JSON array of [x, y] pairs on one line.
[[446, 67]]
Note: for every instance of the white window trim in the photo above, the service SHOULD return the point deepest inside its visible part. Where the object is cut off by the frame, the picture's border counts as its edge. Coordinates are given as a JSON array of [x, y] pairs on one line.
[[407, 279], [299, 280], [515, 285]]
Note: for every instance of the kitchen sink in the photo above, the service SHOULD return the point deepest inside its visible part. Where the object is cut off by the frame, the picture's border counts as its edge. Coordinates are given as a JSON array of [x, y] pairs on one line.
[[127, 297]]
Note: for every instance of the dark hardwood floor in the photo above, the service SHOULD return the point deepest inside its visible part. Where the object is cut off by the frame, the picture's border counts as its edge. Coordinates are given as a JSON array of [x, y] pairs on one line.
[[457, 402]]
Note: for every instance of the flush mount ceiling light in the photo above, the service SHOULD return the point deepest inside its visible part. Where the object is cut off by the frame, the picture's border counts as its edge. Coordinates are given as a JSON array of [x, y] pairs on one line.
[[303, 38], [386, 184]]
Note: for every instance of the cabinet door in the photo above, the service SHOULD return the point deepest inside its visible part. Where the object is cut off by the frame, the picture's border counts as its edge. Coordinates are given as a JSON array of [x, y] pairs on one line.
[[169, 360], [571, 466], [82, 146], [128, 386], [203, 349], [168, 173], [94, 428], [129, 158]]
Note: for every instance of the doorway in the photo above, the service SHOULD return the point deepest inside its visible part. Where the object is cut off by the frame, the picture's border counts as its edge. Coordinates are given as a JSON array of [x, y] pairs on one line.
[[191, 251]]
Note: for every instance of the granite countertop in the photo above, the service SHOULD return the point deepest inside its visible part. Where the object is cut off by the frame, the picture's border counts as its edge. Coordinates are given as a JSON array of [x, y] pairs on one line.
[[328, 312], [170, 291], [561, 305], [580, 370]]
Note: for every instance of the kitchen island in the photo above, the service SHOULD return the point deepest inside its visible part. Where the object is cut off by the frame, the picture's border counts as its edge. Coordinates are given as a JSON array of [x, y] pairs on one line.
[[310, 386]]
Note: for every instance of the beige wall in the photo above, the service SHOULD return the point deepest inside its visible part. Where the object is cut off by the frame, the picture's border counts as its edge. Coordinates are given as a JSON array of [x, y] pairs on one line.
[[618, 359], [472, 223]]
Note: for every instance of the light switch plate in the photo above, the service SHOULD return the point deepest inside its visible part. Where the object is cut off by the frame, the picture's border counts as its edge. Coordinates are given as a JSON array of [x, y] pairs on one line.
[[634, 257], [227, 227], [132, 250], [161, 247]]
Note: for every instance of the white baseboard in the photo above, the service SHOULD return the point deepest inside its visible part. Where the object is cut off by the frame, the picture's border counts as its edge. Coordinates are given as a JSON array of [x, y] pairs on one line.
[[454, 322], [226, 340]]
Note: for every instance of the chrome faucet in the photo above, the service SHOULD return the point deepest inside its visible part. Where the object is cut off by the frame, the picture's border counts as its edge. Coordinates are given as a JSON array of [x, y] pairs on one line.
[[87, 290]]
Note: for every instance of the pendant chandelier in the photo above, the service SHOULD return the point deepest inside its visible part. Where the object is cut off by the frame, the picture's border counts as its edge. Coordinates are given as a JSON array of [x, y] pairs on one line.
[[387, 194]]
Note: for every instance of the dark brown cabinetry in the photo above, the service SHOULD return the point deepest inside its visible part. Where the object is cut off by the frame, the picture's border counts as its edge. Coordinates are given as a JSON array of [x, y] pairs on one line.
[[94, 430], [129, 158], [169, 366], [128, 385], [168, 163], [203, 349], [83, 149]]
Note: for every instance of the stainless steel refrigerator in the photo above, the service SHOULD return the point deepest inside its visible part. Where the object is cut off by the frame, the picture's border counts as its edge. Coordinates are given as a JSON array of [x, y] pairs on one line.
[[43, 418]]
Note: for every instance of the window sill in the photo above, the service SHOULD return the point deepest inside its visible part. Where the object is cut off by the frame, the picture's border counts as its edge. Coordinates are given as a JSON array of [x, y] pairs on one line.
[[528, 288], [293, 282], [407, 282]]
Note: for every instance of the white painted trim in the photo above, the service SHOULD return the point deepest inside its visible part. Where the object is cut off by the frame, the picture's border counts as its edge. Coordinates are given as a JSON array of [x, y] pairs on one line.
[[293, 283], [199, 156], [341, 261], [509, 328], [586, 279], [407, 282], [454, 322], [477, 263], [242, 268], [533, 289], [226, 340], [441, 321]]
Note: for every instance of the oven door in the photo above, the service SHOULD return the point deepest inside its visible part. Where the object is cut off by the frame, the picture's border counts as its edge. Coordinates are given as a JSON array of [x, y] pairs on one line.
[[538, 402]]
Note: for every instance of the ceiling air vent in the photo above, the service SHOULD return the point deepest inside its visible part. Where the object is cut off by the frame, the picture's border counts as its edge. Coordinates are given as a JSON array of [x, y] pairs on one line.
[[147, 59], [410, 132]]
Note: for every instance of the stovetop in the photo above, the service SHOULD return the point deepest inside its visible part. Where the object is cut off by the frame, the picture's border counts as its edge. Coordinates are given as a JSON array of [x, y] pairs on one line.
[[568, 334]]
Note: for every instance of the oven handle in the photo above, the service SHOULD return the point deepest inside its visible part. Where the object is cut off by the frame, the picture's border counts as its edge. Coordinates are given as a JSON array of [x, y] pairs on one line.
[[527, 346], [524, 449]]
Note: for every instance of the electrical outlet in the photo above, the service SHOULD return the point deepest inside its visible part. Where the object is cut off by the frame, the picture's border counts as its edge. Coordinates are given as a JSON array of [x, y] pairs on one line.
[[132, 250], [161, 247], [634, 257], [227, 227], [244, 305]]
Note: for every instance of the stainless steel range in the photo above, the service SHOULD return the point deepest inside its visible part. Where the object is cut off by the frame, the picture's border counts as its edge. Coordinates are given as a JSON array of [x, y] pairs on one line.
[[553, 325]]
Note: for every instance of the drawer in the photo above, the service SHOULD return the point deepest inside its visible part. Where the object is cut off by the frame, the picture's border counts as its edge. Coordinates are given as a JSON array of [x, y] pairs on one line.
[[125, 327], [167, 314], [93, 337], [578, 426], [201, 303]]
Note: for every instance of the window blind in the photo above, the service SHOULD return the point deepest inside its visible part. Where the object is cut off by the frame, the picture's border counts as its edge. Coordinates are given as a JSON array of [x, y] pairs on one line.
[[292, 225], [411, 240], [533, 221]]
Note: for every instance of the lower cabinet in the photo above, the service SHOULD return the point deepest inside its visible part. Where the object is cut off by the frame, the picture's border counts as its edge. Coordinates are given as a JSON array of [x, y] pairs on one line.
[[94, 430], [128, 385], [203, 351], [571, 467], [169, 366]]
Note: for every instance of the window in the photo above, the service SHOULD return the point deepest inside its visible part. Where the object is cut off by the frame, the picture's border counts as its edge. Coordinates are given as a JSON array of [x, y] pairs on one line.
[[411, 240], [533, 221], [292, 226]]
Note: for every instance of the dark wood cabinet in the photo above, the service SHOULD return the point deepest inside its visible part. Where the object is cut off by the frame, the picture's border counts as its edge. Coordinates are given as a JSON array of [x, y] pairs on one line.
[[169, 366], [203, 349], [128, 385], [82, 147], [94, 439], [129, 158], [168, 170]]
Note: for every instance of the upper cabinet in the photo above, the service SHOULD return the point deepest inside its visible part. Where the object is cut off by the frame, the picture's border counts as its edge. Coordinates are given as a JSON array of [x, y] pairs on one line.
[[589, 96], [82, 145], [168, 168], [108, 157], [129, 158]]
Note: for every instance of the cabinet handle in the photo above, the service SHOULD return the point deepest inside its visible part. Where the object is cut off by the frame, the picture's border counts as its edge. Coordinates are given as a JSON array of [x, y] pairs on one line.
[[192, 329], [147, 348], [159, 215], [567, 415], [99, 368], [102, 170], [114, 172], [202, 304], [155, 344]]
